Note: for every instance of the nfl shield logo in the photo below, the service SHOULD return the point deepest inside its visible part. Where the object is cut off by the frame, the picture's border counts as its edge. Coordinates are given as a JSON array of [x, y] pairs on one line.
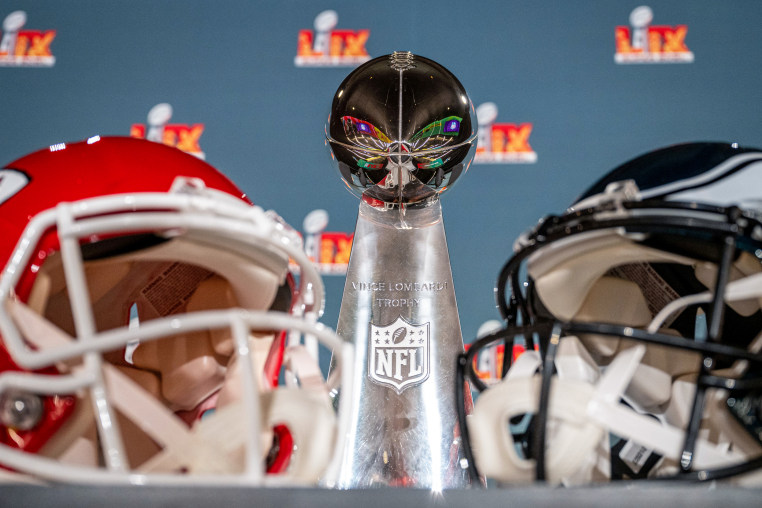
[[399, 354]]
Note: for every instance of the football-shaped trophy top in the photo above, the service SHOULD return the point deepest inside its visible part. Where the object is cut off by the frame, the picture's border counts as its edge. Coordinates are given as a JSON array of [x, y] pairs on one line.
[[402, 129]]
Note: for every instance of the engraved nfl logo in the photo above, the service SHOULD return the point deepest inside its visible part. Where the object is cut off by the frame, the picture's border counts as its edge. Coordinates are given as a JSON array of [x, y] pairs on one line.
[[399, 354]]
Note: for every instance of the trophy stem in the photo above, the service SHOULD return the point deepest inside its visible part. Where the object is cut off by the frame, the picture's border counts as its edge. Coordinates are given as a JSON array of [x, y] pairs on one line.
[[400, 312]]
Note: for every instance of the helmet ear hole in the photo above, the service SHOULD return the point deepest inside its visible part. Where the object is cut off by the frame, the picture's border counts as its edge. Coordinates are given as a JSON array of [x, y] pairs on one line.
[[20, 410]]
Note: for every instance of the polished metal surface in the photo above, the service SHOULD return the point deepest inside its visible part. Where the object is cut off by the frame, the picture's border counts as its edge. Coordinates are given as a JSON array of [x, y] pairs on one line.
[[402, 129], [400, 312]]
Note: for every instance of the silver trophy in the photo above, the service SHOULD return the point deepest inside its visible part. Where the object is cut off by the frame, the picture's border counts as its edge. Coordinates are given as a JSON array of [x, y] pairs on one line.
[[402, 130]]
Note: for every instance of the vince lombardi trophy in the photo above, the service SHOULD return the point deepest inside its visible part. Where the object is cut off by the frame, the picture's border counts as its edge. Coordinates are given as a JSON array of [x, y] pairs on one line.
[[402, 130]]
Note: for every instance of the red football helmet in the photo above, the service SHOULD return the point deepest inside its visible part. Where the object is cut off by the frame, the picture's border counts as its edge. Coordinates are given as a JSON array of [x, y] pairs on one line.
[[144, 307]]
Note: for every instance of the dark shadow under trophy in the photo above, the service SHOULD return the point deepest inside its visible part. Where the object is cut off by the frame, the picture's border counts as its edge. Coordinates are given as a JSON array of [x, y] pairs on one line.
[[402, 130]]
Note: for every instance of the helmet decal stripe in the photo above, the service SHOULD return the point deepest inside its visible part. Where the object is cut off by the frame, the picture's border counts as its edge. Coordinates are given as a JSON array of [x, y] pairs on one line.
[[720, 172], [11, 182]]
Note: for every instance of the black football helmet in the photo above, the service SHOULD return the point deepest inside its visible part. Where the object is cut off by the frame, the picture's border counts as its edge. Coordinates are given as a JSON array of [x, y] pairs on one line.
[[640, 311]]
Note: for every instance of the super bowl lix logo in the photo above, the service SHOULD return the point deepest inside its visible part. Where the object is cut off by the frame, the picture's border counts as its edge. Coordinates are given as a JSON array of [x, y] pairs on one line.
[[328, 47], [328, 250], [647, 43], [25, 48], [182, 136], [488, 365], [398, 355], [502, 143]]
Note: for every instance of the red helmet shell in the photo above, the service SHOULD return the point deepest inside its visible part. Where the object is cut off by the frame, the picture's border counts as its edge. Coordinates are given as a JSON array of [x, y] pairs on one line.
[[93, 168], [71, 172]]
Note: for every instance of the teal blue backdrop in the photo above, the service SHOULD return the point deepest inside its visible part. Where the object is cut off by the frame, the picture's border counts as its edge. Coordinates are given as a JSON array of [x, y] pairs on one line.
[[568, 102]]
